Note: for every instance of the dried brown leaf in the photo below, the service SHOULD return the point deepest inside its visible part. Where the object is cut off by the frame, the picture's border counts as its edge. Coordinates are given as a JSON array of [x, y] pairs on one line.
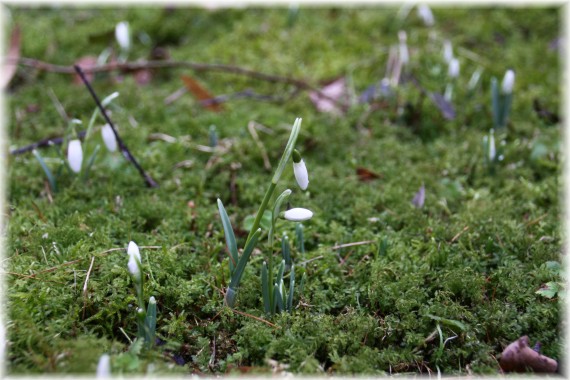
[[366, 175], [200, 92]]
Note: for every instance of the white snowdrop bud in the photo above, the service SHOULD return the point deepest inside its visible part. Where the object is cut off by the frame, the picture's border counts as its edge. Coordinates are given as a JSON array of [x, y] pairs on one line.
[[104, 367], [134, 260], [75, 155], [109, 138], [298, 214], [492, 150], [300, 170], [403, 48], [447, 51], [122, 35], [508, 82], [425, 14], [453, 71]]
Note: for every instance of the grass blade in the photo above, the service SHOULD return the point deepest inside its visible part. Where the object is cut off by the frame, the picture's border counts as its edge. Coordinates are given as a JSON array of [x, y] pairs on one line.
[[48, 172], [240, 267], [291, 289], [230, 237], [265, 288], [495, 102]]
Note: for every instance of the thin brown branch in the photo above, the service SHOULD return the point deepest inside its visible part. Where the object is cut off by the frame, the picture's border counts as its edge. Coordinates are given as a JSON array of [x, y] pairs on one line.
[[353, 244], [254, 317], [459, 234], [126, 152], [170, 64]]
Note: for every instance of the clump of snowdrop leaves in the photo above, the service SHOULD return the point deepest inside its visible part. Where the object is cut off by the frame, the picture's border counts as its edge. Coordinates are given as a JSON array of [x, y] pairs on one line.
[[237, 263], [146, 320], [501, 100]]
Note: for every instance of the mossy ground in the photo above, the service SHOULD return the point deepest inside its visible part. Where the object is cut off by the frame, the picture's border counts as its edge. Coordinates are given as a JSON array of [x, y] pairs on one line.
[[365, 309]]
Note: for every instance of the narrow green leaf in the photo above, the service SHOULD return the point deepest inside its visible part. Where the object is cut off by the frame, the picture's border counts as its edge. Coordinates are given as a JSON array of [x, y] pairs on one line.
[[278, 298], [291, 290], [230, 237], [449, 322], [91, 161], [302, 284], [288, 150], [280, 270], [238, 272], [300, 238], [150, 322], [286, 251], [276, 208], [265, 288], [49, 175], [495, 103], [506, 108]]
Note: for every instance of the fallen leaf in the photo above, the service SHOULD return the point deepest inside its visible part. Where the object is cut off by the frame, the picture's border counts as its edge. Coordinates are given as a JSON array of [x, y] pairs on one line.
[[12, 58], [419, 197], [333, 92], [446, 108], [85, 63], [366, 175], [200, 92], [519, 357]]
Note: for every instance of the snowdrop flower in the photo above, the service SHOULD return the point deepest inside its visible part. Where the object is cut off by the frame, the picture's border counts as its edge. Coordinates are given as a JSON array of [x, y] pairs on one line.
[[104, 367], [300, 170], [404, 55], [508, 82], [453, 70], [134, 261], [75, 155], [492, 150], [109, 138], [447, 51], [419, 197], [122, 35], [425, 14], [298, 214]]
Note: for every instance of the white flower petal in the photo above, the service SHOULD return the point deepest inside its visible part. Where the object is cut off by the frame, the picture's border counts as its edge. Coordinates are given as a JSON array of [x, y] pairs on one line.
[[75, 155], [133, 250], [425, 14], [298, 214], [447, 51], [133, 266], [104, 367], [508, 82], [301, 174], [122, 35], [453, 71], [109, 138]]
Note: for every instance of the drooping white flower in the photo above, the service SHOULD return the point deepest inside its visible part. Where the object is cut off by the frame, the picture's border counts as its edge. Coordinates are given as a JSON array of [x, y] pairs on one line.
[[508, 82], [453, 70], [300, 170], [447, 51], [109, 138], [75, 155], [403, 47], [492, 150], [298, 214], [134, 260], [122, 35], [104, 367], [425, 14]]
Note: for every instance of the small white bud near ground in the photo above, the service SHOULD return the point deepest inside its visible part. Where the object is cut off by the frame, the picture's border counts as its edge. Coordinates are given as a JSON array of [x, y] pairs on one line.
[[109, 138], [298, 214], [447, 51], [152, 300], [134, 260], [403, 47], [426, 14], [122, 35], [492, 150], [508, 82], [75, 155], [104, 367], [453, 71]]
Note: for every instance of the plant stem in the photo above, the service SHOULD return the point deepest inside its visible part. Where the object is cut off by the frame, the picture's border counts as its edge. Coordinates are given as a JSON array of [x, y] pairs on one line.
[[261, 210]]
